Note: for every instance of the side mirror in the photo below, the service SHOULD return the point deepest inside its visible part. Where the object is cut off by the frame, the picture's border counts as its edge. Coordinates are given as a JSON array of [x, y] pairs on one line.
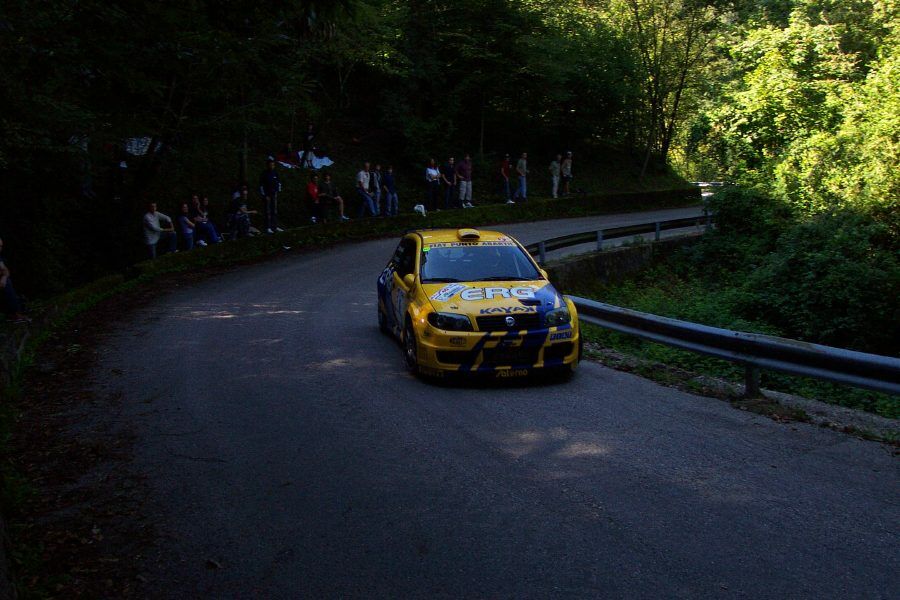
[[544, 273], [410, 280]]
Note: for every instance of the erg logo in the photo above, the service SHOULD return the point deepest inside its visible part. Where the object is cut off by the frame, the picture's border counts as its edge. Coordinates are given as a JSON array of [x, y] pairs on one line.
[[497, 292]]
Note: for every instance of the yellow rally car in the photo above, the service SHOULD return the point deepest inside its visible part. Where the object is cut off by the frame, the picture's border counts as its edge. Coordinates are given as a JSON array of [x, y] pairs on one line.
[[468, 301]]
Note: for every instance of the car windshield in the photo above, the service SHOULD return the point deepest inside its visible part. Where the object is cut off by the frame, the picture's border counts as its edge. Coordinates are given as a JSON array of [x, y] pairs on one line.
[[498, 261]]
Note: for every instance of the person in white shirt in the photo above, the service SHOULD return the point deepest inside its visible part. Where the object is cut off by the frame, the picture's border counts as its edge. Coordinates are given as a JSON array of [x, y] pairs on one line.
[[432, 184], [362, 188], [154, 232]]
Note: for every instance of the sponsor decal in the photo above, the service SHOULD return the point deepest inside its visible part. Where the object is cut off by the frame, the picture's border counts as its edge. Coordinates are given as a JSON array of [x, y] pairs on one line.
[[489, 293], [561, 335], [461, 244], [512, 373], [457, 341], [448, 291], [507, 310]]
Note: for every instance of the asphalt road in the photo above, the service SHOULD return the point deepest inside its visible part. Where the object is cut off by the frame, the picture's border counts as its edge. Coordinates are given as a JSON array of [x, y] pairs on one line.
[[282, 439]]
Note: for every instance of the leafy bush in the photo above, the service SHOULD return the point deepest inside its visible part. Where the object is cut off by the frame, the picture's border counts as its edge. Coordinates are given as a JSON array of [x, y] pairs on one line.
[[830, 280]]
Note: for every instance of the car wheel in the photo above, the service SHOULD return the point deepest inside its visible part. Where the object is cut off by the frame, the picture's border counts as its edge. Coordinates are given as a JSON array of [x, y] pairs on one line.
[[410, 348], [382, 322]]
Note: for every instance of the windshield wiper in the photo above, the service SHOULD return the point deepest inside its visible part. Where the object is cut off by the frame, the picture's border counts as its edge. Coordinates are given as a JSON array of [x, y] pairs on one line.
[[440, 280], [505, 278]]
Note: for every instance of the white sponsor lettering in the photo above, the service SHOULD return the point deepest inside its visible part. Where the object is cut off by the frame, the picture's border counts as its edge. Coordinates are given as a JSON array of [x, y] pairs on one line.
[[496, 292], [523, 292], [472, 294]]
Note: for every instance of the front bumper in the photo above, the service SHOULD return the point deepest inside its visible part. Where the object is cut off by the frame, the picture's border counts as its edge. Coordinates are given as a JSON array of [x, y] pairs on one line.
[[498, 353]]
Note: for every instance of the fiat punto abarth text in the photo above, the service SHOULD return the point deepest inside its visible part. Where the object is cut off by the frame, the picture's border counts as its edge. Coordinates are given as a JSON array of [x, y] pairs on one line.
[[475, 302]]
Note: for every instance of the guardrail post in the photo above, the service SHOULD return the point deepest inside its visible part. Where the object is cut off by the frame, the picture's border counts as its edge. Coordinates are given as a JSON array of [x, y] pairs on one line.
[[599, 240], [708, 218], [751, 382], [657, 231], [542, 252]]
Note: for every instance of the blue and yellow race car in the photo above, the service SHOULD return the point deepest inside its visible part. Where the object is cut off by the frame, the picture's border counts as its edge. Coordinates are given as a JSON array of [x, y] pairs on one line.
[[468, 301]]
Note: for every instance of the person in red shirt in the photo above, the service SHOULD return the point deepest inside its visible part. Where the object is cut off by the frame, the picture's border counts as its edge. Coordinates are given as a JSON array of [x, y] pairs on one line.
[[312, 190], [504, 177]]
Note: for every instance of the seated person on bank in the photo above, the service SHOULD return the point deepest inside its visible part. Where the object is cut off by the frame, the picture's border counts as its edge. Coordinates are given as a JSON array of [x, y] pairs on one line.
[[240, 215], [12, 304], [328, 193], [158, 228]]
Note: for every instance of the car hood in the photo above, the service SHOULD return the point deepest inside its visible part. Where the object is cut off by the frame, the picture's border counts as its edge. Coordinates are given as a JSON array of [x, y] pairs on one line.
[[477, 298]]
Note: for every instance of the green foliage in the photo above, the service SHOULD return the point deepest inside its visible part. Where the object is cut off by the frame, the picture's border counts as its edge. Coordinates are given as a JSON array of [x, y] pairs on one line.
[[831, 280], [808, 111]]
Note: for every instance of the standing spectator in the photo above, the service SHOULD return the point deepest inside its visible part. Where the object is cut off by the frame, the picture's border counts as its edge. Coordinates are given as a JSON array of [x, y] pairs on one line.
[[504, 178], [306, 155], [464, 177], [363, 181], [312, 192], [566, 172], [432, 184], [154, 232], [239, 221], [375, 188], [391, 199], [12, 304], [269, 186], [522, 172], [186, 226], [328, 193], [448, 177], [205, 230], [554, 175]]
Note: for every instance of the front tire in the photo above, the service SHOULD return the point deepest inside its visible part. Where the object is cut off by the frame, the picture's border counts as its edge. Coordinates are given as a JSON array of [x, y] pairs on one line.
[[382, 323], [410, 348]]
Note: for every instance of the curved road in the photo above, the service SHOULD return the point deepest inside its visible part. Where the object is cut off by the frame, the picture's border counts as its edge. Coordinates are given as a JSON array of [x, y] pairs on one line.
[[282, 439]]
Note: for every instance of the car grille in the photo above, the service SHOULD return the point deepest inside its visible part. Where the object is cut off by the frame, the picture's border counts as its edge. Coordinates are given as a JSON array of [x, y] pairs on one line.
[[498, 322], [453, 357], [514, 356]]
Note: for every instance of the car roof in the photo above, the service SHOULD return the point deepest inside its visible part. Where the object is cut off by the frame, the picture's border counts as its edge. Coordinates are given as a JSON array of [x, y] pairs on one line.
[[455, 235]]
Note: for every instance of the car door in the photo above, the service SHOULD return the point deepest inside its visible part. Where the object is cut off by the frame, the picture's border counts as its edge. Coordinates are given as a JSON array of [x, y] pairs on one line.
[[405, 263]]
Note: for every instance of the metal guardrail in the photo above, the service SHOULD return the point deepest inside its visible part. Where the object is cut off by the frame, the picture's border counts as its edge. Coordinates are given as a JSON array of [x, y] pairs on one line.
[[755, 351], [541, 248]]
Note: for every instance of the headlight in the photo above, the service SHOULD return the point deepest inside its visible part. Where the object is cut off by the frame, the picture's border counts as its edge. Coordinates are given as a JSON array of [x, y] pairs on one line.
[[450, 321], [557, 316]]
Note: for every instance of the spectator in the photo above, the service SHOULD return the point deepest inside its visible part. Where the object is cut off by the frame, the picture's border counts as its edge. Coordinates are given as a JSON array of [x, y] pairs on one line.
[[432, 184], [306, 155], [504, 177], [375, 190], [566, 170], [328, 193], [269, 186], [554, 175], [205, 230], [522, 172], [239, 220], [464, 177], [312, 192], [12, 304], [448, 177], [363, 181], [154, 232], [186, 226], [391, 199]]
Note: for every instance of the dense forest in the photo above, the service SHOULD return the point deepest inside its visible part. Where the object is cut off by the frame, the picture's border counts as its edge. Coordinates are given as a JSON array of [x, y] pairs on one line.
[[796, 100]]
